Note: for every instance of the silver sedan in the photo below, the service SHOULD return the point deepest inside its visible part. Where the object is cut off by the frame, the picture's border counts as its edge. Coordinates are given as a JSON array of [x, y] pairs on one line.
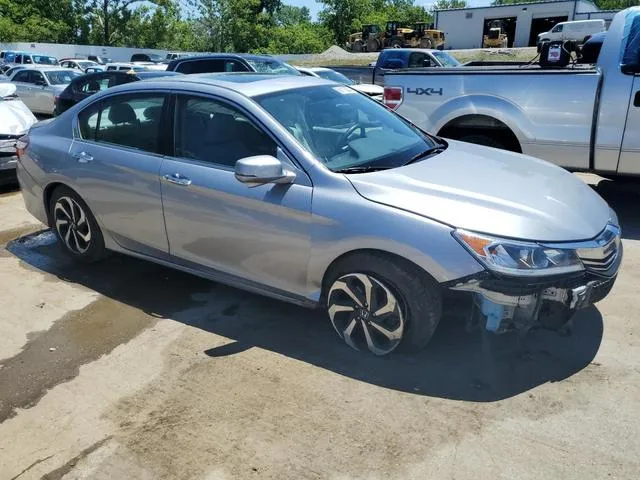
[[307, 191], [39, 86]]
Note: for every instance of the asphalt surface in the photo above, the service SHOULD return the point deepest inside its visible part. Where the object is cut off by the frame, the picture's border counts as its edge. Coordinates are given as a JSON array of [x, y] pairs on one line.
[[126, 369]]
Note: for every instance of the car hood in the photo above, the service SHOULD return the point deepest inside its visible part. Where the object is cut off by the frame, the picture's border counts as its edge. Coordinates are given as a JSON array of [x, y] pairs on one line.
[[15, 117], [369, 89], [491, 191]]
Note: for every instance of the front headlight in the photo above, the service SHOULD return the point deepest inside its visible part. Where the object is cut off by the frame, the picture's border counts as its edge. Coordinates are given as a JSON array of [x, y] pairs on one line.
[[513, 257]]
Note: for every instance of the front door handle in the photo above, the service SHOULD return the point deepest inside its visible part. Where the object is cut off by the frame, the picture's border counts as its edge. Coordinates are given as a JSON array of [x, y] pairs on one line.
[[178, 179], [83, 157], [636, 100]]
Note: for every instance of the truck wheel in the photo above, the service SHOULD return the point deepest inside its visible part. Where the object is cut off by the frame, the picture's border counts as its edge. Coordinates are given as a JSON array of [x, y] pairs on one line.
[[484, 140], [372, 45], [396, 43], [378, 304], [357, 46], [425, 43]]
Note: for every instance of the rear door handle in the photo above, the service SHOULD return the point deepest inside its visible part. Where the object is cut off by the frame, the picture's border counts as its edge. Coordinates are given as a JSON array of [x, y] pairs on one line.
[[83, 157], [636, 100], [178, 179]]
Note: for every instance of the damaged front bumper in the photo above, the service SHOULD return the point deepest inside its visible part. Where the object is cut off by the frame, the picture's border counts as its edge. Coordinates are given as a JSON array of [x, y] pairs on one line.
[[510, 304]]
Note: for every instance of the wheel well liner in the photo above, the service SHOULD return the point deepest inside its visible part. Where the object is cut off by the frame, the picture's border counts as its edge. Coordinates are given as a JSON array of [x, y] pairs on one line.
[[477, 124]]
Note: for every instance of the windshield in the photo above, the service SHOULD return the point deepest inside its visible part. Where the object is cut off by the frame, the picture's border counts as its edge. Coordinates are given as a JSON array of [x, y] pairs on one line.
[[87, 64], [44, 60], [344, 129], [61, 77], [446, 59], [270, 65], [335, 76]]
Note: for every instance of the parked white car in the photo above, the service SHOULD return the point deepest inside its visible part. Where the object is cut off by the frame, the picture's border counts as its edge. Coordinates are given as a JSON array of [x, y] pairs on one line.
[[38, 87], [80, 64], [577, 31], [374, 91], [15, 121], [126, 66]]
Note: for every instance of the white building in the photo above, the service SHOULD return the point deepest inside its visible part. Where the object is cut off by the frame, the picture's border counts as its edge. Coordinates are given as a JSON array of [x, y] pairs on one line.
[[465, 27]]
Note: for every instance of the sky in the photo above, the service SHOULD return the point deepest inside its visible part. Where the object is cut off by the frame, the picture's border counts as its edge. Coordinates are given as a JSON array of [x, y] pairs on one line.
[[315, 7]]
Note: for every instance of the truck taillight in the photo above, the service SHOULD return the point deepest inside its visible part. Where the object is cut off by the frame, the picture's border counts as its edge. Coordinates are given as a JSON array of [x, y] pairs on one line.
[[392, 97], [21, 145]]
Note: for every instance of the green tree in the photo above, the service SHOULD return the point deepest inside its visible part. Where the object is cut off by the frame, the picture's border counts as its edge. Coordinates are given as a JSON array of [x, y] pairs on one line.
[[291, 15], [303, 37], [342, 17], [446, 4]]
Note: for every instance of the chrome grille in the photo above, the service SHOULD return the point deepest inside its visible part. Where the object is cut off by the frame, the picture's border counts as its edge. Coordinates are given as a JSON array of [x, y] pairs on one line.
[[599, 255]]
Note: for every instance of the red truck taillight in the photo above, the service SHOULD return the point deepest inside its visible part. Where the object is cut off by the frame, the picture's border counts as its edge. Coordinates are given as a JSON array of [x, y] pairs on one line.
[[392, 97]]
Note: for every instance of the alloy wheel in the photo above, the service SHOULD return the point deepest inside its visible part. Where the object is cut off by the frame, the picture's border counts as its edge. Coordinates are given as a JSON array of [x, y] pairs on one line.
[[72, 225], [365, 313]]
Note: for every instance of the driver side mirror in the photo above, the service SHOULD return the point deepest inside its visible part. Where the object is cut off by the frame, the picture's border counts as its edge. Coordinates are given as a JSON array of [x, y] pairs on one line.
[[262, 169]]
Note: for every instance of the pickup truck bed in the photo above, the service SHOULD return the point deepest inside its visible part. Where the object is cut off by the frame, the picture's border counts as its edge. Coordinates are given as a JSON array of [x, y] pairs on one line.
[[581, 117]]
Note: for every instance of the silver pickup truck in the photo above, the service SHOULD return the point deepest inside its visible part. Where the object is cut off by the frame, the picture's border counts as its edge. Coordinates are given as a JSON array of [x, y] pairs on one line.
[[579, 117]]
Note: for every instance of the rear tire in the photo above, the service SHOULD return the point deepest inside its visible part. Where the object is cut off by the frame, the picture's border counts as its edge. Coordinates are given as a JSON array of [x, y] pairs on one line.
[[357, 46], [396, 43], [372, 45], [382, 304], [75, 226]]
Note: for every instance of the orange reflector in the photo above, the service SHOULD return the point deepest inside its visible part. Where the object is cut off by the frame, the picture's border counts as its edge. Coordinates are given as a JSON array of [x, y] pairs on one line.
[[477, 244]]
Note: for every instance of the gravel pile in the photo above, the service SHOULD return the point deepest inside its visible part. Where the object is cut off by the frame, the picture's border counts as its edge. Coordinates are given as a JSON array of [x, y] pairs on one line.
[[334, 52]]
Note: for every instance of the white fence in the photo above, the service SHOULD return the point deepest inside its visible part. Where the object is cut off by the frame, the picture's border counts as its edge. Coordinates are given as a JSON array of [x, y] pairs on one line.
[[117, 54]]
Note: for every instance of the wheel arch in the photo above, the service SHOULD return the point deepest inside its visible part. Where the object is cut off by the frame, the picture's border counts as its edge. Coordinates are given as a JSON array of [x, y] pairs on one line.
[[481, 125], [46, 197], [329, 271], [483, 107]]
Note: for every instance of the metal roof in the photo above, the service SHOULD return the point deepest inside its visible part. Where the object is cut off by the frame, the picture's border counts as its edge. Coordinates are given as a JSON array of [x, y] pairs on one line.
[[523, 4]]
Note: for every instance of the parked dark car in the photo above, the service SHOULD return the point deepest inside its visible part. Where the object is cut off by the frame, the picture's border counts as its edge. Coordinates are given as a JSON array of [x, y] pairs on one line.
[[231, 62], [146, 57], [86, 85]]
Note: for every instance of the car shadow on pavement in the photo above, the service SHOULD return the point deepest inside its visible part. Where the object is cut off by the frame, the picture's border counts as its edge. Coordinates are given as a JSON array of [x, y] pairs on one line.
[[623, 195], [457, 364]]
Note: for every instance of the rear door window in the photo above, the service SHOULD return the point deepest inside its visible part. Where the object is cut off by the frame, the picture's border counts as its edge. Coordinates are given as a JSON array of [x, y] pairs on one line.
[[202, 66], [92, 85], [125, 120], [21, 76]]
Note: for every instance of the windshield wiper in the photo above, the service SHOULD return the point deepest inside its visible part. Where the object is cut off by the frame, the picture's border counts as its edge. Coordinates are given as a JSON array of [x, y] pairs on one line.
[[429, 151], [363, 169]]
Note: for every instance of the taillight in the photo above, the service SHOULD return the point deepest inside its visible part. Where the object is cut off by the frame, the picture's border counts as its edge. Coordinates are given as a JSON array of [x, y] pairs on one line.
[[21, 145], [392, 97]]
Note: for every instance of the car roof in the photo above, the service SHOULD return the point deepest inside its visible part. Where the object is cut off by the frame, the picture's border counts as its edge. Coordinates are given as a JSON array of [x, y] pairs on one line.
[[314, 69], [249, 84], [246, 56]]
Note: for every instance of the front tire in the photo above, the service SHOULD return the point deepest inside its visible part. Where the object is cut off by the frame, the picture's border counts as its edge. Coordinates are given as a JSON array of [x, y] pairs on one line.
[[75, 226], [379, 304]]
